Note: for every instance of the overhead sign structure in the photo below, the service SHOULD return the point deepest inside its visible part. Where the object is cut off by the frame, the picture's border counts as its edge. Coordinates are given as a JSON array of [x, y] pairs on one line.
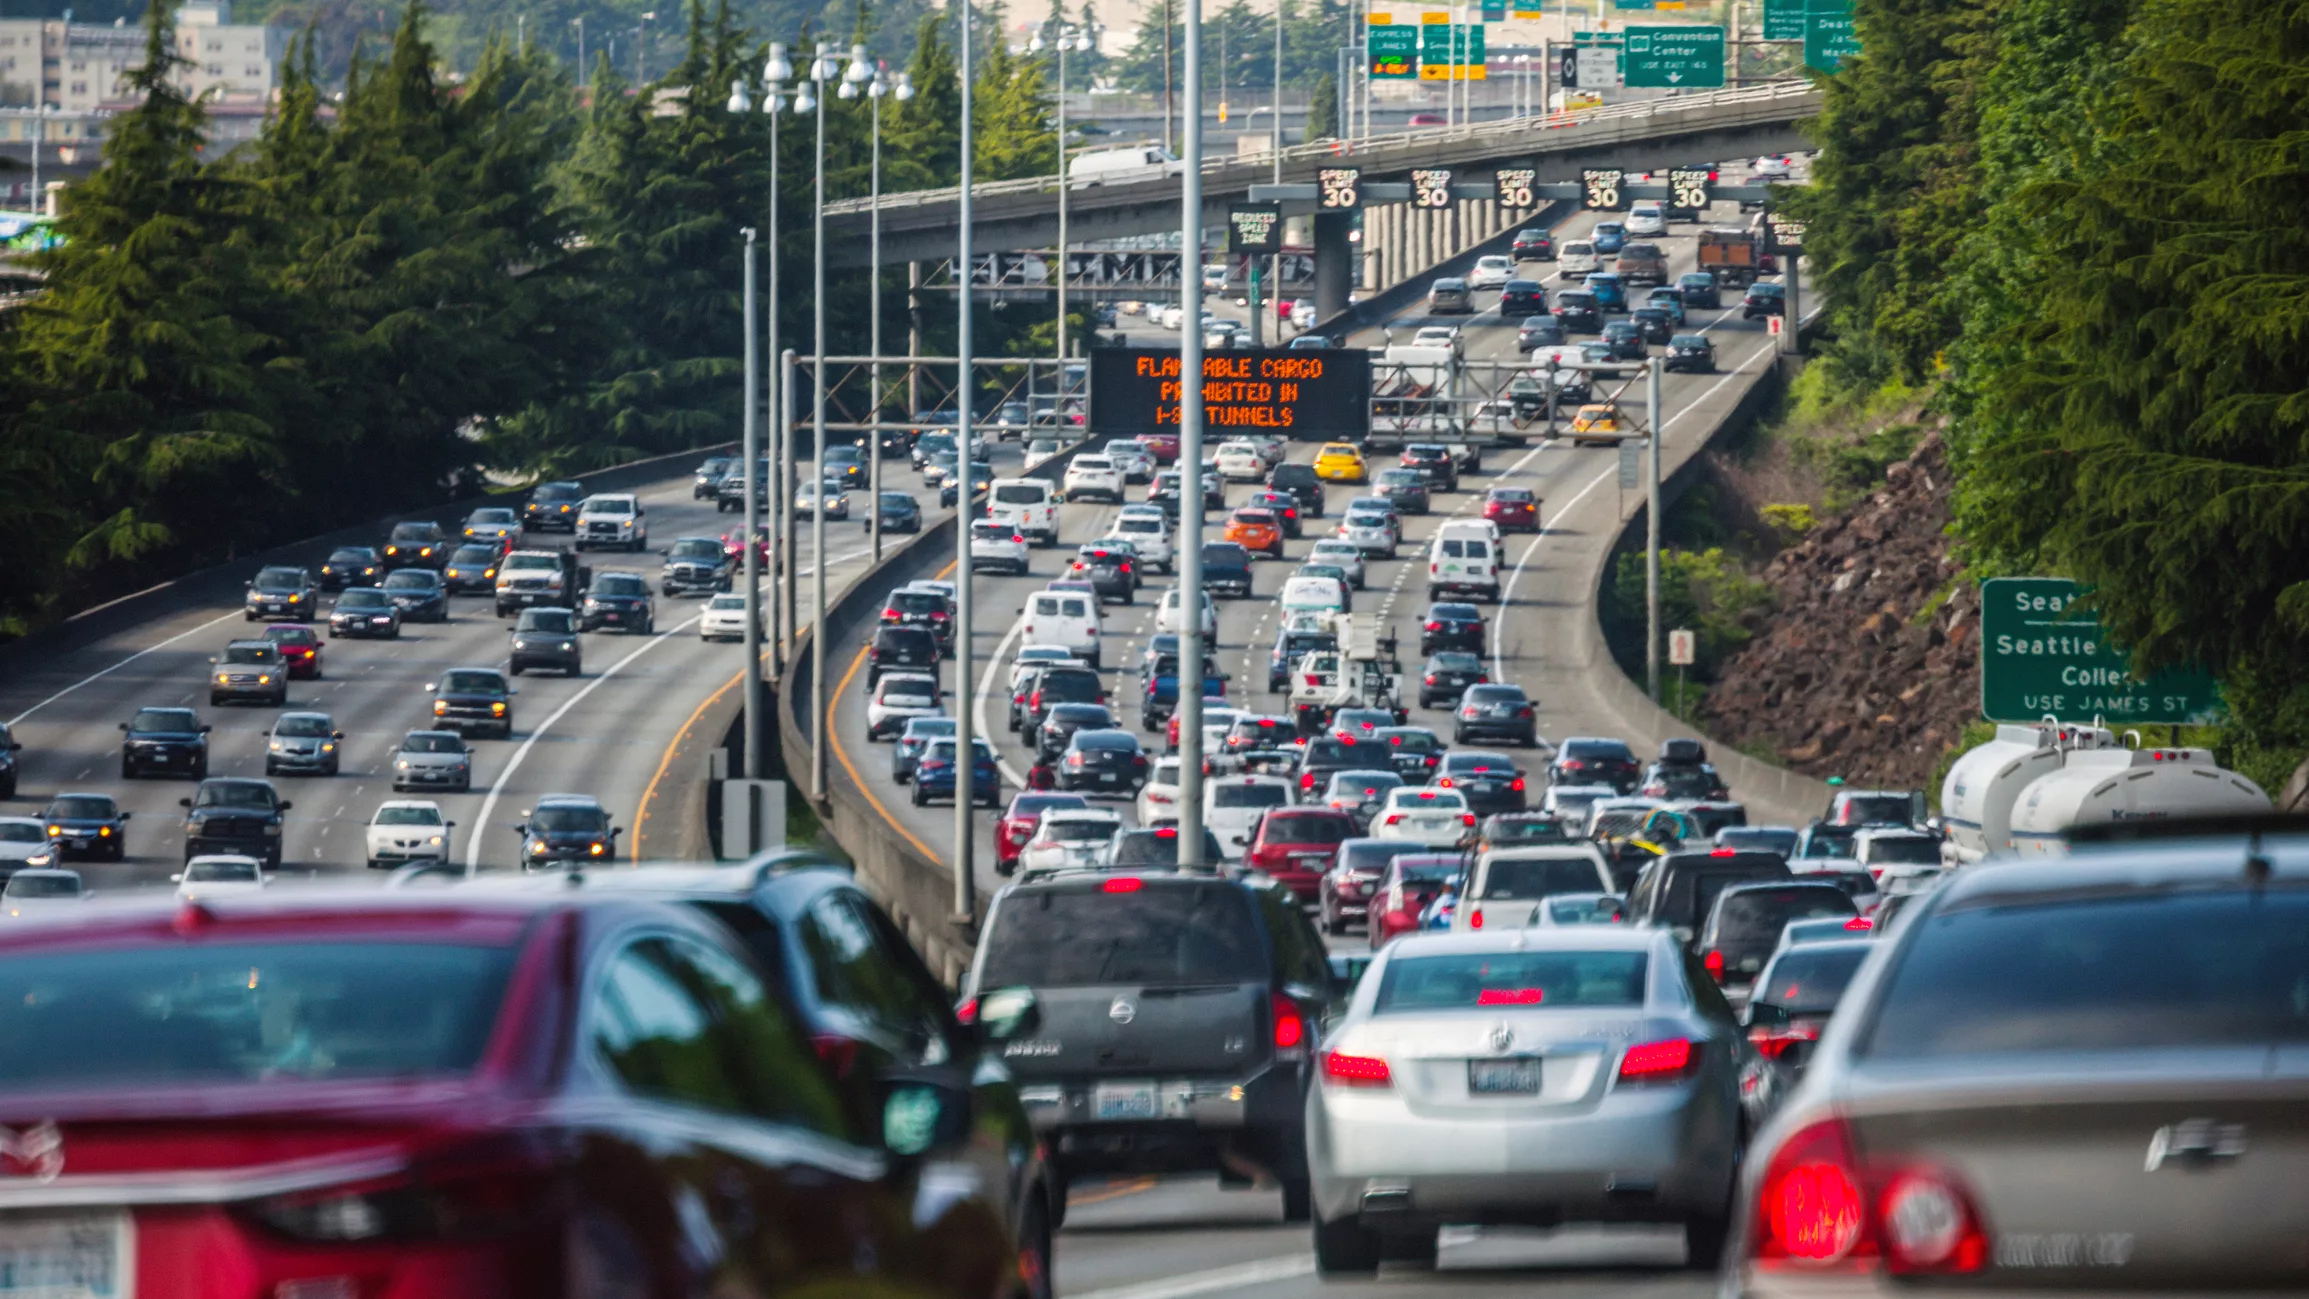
[[1784, 20], [2042, 652], [1316, 394], [1782, 233], [1255, 227], [1604, 188], [1829, 34], [1393, 49], [1517, 187], [1685, 56], [1494, 11], [1431, 187], [1688, 192], [1338, 189]]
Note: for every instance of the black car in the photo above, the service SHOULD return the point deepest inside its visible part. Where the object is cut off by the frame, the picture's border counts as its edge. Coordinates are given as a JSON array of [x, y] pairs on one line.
[[1764, 299], [730, 496], [900, 649], [1539, 331], [473, 699], [545, 638], [845, 464], [1626, 341], [1101, 762], [417, 543], [472, 569], [1655, 323], [1693, 352], [1226, 570], [1743, 927], [171, 741], [1289, 645], [697, 566], [1111, 570], [1414, 751], [1451, 627], [1579, 311], [1283, 505], [1520, 298], [419, 594], [899, 512], [552, 507], [280, 591], [1324, 755], [1587, 760], [1107, 999], [253, 670], [1534, 245], [1699, 289], [1682, 782], [1061, 721], [230, 815], [931, 443], [1498, 710], [921, 607], [619, 600], [566, 828], [1406, 488], [707, 482], [1300, 481], [10, 746], [1491, 782], [86, 825], [351, 566], [1435, 460], [1446, 676], [1678, 889], [364, 612], [1797, 993]]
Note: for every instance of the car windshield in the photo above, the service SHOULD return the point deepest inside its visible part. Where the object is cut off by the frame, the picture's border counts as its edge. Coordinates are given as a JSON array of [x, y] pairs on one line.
[[553, 622], [1511, 495], [408, 816], [472, 683], [475, 554], [1482, 980], [1513, 879], [1078, 830], [266, 653], [81, 807], [352, 555], [304, 726], [1364, 784], [412, 579], [1689, 340], [1879, 809], [492, 516], [432, 742], [695, 548], [1495, 694], [1754, 916], [929, 728], [1161, 936], [40, 884], [1456, 661], [1319, 828], [1411, 741], [906, 687], [1920, 850], [186, 1014], [1595, 751], [1829, 847], [235, 793], [163, 721], [1257, 794], [229, 872], [556, 492], [1685, 783], [292, 636], [1758, 838], [280, 579], [1811, 979], [620, 584], [1227, 553], [412, 532], [1366, 520], [1077, 686], [569, 820], [1402, 478], [20, 831]]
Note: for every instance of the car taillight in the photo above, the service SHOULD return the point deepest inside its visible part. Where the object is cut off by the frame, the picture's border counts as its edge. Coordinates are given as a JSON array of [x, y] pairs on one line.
[[1714, 960], [1356, 1070], [1123, 884], [1657, 1060], [455, 1195], [1434, 626], [1394, 818], [1430, 678], [1774, 1042], [1516, 784], [1290, 1023], [1467, 818], [1307, 780], [967, 1013], [1475, 918]]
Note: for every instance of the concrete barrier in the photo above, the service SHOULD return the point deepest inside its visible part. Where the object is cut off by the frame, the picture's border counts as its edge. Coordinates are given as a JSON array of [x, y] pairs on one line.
[[1390, 301]]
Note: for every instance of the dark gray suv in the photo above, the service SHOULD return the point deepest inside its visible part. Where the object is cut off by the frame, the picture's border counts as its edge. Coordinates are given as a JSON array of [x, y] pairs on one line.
[[545, 638]]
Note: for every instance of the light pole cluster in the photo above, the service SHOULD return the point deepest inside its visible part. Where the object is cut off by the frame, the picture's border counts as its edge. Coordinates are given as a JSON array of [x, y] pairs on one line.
[[878, 86], [1082, 39]]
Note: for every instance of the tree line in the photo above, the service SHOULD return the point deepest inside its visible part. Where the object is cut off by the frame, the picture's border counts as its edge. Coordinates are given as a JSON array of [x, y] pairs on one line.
[[423, 280], [2076, 221]]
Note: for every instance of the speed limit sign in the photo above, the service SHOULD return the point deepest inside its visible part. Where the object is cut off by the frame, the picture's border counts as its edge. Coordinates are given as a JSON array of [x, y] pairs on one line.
[[1338, 188], [1603, 187], [1517, 187], [1431, 187], [1688, 190]]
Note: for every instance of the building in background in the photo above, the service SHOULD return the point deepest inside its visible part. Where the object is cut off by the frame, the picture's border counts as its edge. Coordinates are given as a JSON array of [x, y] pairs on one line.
[[79, 68]]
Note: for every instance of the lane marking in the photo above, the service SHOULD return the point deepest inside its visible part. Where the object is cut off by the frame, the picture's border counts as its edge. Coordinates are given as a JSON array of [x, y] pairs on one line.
[[1218, 1278], [513, 764], [97, 676], [1112, 1191], [842, 755]]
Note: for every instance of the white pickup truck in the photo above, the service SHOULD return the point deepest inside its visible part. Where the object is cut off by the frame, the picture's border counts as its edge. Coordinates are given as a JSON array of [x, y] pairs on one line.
[[612, 521], [552, 579]]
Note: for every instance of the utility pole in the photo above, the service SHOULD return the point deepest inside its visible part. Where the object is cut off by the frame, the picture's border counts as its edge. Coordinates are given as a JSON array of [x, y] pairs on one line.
[[1191, 646], [966, 424], [752, 578], [1167, 138], [1652, 539]]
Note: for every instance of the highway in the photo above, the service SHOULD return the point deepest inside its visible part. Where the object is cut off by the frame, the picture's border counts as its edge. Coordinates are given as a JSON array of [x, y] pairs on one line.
[[629, 731], [1165, 1238]]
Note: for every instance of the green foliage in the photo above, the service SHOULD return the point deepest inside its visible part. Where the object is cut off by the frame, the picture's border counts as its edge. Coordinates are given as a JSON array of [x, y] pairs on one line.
[[1323, 109], [1313, 31], [1013, 132], [1707, 591], [1791, 522]]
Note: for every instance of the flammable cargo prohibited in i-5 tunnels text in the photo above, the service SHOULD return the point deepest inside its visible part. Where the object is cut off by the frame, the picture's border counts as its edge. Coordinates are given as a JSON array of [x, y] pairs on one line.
[[1305, 395]]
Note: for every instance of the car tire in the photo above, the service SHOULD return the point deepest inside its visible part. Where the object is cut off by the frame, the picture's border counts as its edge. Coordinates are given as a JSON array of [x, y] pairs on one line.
[[1345, 1248], [1704, 1239], [1412, 1248], [1298, 1199], [272, 768], [916, 796]]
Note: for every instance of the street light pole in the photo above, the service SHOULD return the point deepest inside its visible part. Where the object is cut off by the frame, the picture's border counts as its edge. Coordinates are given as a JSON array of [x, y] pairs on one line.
[[1652, 541], [821, 71], [864, 75], [1191, 647], [751, 451], [580, 22], [966, 424], [1082, 40], [641, 50], [775, 72]]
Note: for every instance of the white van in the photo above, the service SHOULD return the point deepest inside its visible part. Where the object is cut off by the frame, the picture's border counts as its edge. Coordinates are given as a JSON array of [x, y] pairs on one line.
[[1065, 618], [1028, 505], [1317, 595], [1463, 560], [1577, 260], [1115, 164], [1232, 805], [1510, 883]]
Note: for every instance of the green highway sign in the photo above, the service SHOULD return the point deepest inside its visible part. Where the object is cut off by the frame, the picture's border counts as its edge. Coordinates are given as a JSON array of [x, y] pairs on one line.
[[1829, 34], [1394, 51], [1783, 20], [1681, 56], [2041, 652]]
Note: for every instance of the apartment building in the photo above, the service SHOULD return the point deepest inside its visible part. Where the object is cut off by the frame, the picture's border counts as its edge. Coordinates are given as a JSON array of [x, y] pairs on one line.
[[77, 68]]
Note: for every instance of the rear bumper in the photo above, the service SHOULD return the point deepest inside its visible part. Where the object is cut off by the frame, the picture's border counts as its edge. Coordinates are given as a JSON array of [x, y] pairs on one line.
[[1206, 1124]]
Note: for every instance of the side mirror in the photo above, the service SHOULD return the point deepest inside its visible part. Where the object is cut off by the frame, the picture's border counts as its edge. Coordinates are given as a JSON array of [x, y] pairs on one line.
[[519, 827], [336, 735], [126, 815], [286, 805], [123, 726], [176, 879], [182, 802], [205, 728], [1347, 970], [429, 685], [922, 1113]]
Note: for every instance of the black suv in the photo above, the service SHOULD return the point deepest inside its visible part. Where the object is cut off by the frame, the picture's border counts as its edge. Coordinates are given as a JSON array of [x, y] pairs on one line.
[[545, 638], [1520, 298], [473, 699], [552, 507], [619, 600], [280, 591], [231, 815], [1446, 676], [1586, 760], [417, 543], [1300, 481], [1679, 889], [171, 740], [566, 828], [1226, 570], [696, 565], [900, 649], [1533, 245], [10, 746], [1167, 1024], [1434, 460], [352, 566], [1110, 570]]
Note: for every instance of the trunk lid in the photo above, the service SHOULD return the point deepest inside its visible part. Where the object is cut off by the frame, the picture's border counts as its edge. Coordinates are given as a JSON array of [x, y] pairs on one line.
[[1142, 1030], [1504, 1063]]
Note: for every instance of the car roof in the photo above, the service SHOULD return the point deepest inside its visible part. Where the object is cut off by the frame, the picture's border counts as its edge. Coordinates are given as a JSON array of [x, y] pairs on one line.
[[1584, 938]]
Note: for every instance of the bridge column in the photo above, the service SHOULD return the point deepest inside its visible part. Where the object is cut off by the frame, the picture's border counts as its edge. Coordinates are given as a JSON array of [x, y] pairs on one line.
[[1334, 262]]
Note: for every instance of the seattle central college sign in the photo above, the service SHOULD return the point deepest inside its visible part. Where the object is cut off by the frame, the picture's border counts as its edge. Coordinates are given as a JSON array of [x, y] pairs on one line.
[[1323, 394]]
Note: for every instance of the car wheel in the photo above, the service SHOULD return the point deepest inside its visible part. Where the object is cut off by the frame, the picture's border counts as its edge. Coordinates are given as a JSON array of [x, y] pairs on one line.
[[1416, 1248], [1345, 1248], [514, 667], [917, 798], [272, 768], [200, 772], [215, 702], [9, 790]]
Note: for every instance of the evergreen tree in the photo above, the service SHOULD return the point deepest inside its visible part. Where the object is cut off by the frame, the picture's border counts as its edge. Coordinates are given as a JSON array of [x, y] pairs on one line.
[[1013, 131], [922, 138], [1323, 110]]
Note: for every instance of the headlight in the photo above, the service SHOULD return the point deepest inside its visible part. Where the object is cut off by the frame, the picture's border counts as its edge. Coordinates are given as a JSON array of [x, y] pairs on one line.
[[264, 678], [498, 709], [440, 706], [403, 764], [104, 831], [567, 644], [598, 849], [55, 830], [537, 849], [273, 828], [222, 679], [328, 748], [39, 859], [435, 841], [276, 746]]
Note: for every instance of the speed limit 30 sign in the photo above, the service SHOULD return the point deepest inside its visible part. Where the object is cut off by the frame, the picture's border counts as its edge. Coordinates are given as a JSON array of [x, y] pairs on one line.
[[1517, 187], [1604, 188]]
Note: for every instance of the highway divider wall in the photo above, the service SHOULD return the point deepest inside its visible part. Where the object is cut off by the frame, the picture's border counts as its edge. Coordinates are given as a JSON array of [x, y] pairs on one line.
[[222, 583], [908, 876]]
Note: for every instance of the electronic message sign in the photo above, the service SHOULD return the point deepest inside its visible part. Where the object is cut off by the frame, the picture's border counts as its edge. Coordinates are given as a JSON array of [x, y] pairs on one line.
[[1313, 395]]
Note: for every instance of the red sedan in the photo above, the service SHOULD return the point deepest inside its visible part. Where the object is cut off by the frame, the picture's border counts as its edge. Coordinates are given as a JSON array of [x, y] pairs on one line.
[[734, 546], [1162, 446], [437, 1094], [1514, 509], [1411, 883], [1019, 822], [300, 647]]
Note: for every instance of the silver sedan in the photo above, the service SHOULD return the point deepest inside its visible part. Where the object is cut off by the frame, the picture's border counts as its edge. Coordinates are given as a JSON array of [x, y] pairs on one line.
[[1525, 1077]]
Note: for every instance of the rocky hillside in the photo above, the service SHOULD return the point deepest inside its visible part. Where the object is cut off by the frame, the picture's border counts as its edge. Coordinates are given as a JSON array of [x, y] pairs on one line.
[[1868, 665]]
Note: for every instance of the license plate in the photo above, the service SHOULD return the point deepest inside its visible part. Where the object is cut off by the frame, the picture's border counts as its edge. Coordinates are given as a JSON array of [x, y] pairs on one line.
[[1124, 1101], [1106, 778], [1503, 1077], [67, 1256]]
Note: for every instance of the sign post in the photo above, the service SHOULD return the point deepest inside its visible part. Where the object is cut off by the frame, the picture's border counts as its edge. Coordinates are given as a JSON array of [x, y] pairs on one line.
[[1323, 395], [2042, 653], [1683, 651], [1683, 56]]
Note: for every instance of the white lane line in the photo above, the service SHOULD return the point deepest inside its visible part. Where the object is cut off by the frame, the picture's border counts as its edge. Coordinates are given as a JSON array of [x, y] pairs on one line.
[[513, 764], [97, 676], [1218, 1278]]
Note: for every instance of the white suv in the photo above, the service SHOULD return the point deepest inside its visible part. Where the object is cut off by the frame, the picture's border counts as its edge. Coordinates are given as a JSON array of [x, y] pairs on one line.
[[1025, 505], [1649, 216], [613, 521], [1240, 462], [1577, 261], [1132, 460], [1149, 532], [1090, 476], [1492, 272], [995, 545], [898, 698]]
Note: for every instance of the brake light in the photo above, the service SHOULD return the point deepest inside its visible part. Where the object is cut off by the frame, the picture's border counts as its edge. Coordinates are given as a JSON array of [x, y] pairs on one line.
[[1809, 1208], [1714, 960], [1662, 1059], [1510, 996], [1860, 922], [1434, 626], [1722, 852], [1774, 1042], [1516, 784], [1356, 1070], [967, 1013], [1445, 782], [1475, 918], [1290, 1024], [1467, 818], [1123, 884], [1430, 679]]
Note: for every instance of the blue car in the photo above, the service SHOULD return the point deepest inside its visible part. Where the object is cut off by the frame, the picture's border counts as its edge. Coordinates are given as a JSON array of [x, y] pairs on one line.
[[935, 771], [86, 825], [900, 512], [1610, 237], [420, 594], [915, 738], [1611, 292]]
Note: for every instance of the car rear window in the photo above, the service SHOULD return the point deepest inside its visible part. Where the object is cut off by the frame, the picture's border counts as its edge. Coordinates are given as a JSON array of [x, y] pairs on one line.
[[1919, 851], [1811, 981], [2168, 970], [1529, 879], [1164, 936], [1079, 686], [1251, 795], [246, 1013], [1159, 848], [1861, 809], [1756, 916], [1591, 750], [1310, 827], [917, 602], [1483, 980]]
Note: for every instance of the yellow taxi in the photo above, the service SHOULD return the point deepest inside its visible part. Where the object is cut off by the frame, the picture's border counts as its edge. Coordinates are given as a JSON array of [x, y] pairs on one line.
[[1340, 462], [1596, 423]]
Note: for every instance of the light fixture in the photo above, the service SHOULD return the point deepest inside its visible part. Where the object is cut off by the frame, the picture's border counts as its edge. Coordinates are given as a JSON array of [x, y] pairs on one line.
[[861, 69], [804, 101], [1036, 44], [739, 101], [905, 86], [777, 69]]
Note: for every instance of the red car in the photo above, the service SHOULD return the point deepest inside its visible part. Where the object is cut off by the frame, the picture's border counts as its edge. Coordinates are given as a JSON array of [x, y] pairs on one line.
[[735, 548], [1412, 882], [435, 1094], [300, 646], [1514, 509], [1296, 845], [1019, 821], [1164, 447]]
